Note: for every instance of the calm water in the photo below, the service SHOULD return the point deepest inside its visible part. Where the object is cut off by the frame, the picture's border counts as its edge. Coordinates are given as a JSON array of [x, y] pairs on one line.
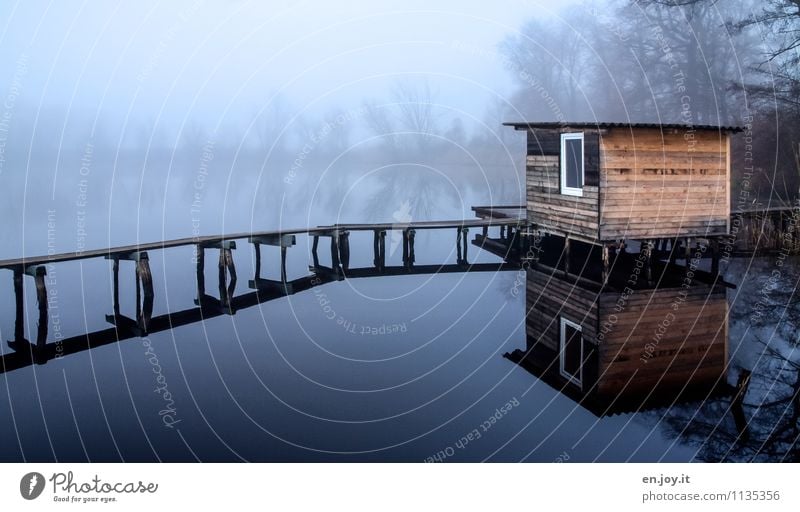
[[395, 368]]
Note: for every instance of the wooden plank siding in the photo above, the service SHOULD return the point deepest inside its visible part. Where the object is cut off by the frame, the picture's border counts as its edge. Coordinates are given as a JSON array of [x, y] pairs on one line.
[[684, 342], [639, 183], [656, 184], [549, 297], [546, 206], [690, 349]]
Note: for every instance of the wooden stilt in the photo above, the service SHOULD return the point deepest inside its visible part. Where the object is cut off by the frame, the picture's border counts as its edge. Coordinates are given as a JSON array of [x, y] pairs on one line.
[[465, 233], [41, 300], [566, 255], [382, 249], [116, 286], [335, 251], [458, 245], [283, 264], [737, 406], [715, 257], [314, 255], [19, 325], [648, 262], [144, 312], [257, 247], [405, 248], [201, 276], [688, 251], [605, 264], [411, 257], [375, 249]]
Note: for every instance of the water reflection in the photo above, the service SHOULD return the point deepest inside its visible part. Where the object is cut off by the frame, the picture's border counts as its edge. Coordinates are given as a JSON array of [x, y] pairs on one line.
[[631, 362], [651, 336]]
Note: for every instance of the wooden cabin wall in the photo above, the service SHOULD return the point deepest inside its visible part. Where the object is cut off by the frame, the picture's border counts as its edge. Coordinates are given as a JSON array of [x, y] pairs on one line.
[[546, 206], [691, 347], [549, 297], [656, 184]]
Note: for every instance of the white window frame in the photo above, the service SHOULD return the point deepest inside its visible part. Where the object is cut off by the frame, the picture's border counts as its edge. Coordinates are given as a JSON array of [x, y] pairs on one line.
[[571, 191], [561, 340]]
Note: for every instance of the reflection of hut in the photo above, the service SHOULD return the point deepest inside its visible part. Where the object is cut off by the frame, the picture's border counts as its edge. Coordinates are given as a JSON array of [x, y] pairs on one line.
[[605, 182], [617, 349]]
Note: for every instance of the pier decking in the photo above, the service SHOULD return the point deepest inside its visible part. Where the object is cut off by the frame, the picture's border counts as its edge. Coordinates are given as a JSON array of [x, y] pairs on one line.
[[207, 306]]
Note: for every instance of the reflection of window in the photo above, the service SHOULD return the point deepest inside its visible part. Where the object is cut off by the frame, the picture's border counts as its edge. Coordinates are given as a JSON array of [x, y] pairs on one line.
[[571, 360], [572, 164]]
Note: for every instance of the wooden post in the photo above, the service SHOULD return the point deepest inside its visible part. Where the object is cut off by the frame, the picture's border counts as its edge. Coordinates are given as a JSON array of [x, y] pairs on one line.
[[405, 248], [411, 235], [715, 257], [458, 245], [375, 249], [688, 251], [283, 264], [314, 255], [464, 243], [344, 250], [116, 286], [648, 262], [382, 249], [335, 251], [605, 264], [257, 247], [737, 406], [502, 232], [41, 300], [485, 231], [226, 265], [566, 255], [144, 311], [200, 271], [19, 326], [138, 291]]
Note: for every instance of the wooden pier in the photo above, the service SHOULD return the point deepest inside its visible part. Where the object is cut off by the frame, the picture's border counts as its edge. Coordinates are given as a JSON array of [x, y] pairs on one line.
[[227, 302]]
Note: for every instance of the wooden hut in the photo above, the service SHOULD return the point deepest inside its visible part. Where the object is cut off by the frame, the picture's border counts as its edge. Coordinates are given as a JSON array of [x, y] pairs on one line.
[[617, 350], [606, 182]]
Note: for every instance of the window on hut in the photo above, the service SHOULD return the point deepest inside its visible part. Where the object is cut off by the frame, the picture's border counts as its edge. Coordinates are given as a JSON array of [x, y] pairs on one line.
[[572, 164]]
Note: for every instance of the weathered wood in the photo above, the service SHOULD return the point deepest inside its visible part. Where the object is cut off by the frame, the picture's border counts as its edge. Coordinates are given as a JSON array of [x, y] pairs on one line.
[[200, 271]]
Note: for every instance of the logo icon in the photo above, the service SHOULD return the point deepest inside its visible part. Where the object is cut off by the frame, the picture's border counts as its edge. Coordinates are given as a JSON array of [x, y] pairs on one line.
[[31, 485]]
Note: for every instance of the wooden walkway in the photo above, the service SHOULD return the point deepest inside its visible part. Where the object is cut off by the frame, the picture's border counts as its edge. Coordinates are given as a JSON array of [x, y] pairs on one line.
[[215, 240], [208, 306]]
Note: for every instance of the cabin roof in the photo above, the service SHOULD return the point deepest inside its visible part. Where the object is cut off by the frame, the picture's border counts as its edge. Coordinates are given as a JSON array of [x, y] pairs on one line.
[[602, 125]]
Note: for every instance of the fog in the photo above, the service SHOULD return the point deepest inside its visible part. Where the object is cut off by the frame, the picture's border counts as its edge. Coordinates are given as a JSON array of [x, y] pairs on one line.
[[125, 122]]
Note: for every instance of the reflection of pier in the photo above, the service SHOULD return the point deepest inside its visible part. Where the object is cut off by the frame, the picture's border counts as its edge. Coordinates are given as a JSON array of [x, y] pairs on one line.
[[208, 306]]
